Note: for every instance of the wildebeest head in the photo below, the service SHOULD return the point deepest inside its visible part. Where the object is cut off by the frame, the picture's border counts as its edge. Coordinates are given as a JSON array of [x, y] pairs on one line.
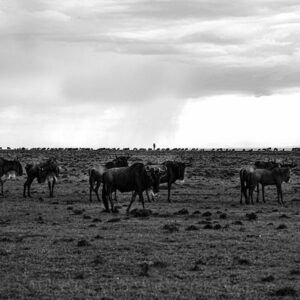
[[286, 174], [46, 168], [154, 173], [283, 173]]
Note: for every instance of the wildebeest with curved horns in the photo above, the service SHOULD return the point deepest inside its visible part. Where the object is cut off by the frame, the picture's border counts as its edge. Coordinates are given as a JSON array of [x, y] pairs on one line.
[[9, 169], [136, 178], [43, 171], [95, 174]]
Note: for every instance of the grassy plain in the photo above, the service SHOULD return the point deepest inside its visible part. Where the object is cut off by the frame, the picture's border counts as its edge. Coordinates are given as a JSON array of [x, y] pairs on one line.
[[203, 245]]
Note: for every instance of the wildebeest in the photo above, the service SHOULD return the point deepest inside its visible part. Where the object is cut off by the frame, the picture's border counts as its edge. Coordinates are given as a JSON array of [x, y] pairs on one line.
[[95, 174], [245, 181], [163, 171], [136, 178], [275, 176], [9, 169], [47, 170], [250, 178], [175, 171]]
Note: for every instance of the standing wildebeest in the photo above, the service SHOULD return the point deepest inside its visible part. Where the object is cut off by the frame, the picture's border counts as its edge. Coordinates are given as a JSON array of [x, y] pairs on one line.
[[136, 178], [47, 170], [245, 175], [163, 171], [266, 177], [249, 181], [95, 174], [9, 169], [175, 171]]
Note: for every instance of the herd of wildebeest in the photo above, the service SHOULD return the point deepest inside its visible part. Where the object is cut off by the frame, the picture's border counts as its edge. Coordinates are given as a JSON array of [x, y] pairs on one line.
[[117, 175]]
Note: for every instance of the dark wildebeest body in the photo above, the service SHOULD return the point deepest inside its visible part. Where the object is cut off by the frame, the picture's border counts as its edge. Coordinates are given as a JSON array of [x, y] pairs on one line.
[[9, 169], [95, 174], [48, 170], [175, 171], [136, 178]]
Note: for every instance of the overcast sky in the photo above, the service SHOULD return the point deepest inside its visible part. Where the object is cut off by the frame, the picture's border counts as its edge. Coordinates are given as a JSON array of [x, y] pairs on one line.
[[213, 73]]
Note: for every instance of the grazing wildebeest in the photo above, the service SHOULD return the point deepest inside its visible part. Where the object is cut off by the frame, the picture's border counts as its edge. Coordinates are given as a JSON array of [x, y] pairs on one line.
[[266, 177], [175, 171], [136, 178], [47, 170], [95, 174], [9, 169]]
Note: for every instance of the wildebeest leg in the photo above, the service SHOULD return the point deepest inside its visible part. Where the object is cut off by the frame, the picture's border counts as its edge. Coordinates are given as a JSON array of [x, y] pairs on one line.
[[104, 198], [169, 191], [279, 195], [132, 200], [116, 200], [263, 193], [111, 200], [257, 194], [251, 190], [49, 186], [142, 199], [148, 196], [97, 191], [27, 184]]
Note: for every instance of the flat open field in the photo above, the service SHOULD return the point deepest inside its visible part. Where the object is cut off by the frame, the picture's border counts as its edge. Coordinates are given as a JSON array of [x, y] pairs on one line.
[[203, 245]]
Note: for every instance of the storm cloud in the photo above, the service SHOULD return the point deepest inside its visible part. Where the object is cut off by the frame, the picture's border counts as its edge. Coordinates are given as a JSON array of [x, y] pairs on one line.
[[114, 67]]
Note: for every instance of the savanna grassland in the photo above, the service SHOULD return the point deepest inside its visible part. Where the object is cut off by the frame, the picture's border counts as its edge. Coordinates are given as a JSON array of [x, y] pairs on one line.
[[203, 245]]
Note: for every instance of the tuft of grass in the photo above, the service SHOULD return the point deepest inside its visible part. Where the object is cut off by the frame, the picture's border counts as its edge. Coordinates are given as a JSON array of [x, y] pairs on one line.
[[285, 291], [83, 243], [192, 228], [251, 216], [269, 278], [173, 227], [282, 226]]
